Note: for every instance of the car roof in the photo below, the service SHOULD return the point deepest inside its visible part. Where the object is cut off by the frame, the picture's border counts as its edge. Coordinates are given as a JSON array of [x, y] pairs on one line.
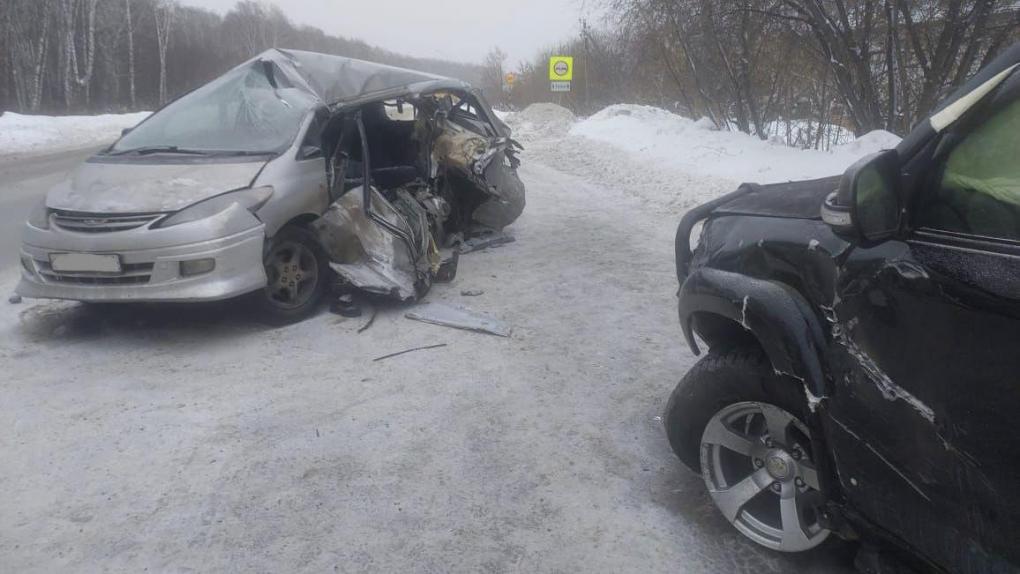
[[337, 79]]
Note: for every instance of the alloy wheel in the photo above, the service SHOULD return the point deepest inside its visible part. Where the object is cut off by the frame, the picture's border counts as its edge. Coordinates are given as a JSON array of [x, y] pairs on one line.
[[755, 460], [292, 270]]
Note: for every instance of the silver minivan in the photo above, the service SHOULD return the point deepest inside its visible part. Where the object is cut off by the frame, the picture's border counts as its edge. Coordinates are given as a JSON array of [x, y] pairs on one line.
[[223, 192]]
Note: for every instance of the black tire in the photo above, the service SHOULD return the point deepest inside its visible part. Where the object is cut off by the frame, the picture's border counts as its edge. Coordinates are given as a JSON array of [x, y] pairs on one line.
[[720, 379], [272, 307]]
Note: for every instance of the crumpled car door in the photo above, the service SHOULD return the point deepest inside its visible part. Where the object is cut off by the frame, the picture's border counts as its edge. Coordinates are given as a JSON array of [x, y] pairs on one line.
[[374, 244]]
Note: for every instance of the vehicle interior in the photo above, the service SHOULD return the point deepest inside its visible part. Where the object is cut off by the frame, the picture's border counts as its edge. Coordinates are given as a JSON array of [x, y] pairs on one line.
[[425, 146]]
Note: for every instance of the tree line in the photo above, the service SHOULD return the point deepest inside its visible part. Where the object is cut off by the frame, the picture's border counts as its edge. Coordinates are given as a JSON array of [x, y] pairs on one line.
[[803, 70], [64, 56]]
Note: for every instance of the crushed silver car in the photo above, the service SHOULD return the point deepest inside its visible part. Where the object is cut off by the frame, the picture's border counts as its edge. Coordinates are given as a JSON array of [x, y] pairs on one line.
[[289, 173]]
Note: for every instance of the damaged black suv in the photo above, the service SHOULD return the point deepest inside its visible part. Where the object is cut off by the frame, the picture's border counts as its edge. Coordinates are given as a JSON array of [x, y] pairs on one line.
[[863, 332]]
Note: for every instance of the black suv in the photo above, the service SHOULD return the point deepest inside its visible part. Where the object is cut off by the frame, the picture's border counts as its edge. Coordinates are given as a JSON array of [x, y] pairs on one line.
[[863, 334]]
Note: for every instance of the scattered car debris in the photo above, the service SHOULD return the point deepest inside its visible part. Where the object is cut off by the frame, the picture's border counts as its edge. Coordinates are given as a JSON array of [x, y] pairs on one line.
[[472, 292], [346, 306], [14, 299], [448, 269], [397, 354], [371, 321], [487, 241], [447, 316]]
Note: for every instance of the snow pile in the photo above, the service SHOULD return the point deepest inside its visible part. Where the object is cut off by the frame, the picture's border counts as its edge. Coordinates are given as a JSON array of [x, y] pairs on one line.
[[540, 121], [657, 135], [667, 161], [501, 114], [36, 134], [871, 142]]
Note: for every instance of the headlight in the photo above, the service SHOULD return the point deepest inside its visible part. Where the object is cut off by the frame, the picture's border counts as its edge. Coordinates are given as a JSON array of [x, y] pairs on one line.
[[40, 216], [250, 199]]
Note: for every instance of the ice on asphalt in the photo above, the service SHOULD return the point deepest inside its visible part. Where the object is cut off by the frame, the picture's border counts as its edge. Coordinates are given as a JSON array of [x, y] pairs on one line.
[[188, 438]]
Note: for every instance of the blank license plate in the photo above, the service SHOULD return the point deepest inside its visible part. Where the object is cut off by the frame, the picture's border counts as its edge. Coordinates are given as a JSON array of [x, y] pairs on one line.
[[85, 263]]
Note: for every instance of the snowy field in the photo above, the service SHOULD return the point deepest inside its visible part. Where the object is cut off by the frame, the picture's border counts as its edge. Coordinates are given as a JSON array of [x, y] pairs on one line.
[[190, 439], [26, 134]]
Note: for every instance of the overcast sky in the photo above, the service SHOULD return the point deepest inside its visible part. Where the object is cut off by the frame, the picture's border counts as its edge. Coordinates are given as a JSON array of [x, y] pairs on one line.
[[450, 29]]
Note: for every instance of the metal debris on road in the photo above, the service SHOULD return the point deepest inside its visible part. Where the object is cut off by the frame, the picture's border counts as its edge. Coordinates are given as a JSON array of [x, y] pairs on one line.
[[447, 316], [480, 243], [375, 311], [391, 355], [472, 292]]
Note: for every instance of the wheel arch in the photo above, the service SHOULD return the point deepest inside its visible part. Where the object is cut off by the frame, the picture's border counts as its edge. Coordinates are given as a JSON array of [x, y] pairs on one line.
[[729, 308], [301, 220]]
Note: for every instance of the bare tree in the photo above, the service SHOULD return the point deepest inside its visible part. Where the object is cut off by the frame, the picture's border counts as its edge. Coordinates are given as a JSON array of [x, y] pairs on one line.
[[164, 18], [83, 80], [130, 53], [28, 49], [493, 76]]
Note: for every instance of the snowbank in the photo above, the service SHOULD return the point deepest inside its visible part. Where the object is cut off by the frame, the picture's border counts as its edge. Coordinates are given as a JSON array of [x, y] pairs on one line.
[[540, 121], [694, 147], [669, 162], [40, 134]]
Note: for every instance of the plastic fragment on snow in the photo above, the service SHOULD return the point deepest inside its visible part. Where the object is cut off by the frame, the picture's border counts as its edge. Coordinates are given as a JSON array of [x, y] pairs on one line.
[[447, 316]]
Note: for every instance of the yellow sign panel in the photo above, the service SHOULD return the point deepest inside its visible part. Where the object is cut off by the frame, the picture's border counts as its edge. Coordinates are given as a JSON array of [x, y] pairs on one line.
[[561, 68], [511, 78]]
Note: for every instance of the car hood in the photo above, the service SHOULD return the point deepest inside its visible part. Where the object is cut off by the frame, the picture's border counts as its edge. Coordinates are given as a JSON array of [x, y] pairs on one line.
[[798, 199], [101, 187]]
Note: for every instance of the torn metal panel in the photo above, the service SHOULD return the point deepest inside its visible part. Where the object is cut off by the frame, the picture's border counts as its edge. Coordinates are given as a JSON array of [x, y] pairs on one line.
[[490, 166], [506, 199], [447, 316], [366, 254]]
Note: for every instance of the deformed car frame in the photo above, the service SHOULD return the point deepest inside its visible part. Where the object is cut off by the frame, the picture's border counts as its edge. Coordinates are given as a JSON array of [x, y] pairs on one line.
[[243, 187], [861, 374]]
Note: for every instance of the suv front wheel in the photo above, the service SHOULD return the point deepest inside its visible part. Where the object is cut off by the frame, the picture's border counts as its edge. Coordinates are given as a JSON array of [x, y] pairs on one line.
[[738, 424]]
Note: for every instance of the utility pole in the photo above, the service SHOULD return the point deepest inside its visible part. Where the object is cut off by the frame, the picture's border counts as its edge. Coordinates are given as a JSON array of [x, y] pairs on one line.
[[587, 68]]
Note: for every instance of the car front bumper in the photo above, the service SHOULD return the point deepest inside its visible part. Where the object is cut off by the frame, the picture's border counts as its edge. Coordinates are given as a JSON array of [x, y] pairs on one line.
[[150, 272]]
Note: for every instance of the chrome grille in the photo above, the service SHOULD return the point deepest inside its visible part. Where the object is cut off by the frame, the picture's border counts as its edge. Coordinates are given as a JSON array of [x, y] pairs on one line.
[[132, 274], [101, 223]]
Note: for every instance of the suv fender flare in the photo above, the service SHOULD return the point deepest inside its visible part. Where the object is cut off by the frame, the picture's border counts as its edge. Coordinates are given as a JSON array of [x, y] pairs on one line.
[[779, 318]]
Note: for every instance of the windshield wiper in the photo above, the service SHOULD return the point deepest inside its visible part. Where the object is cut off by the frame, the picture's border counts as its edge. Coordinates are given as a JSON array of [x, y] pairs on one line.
[[242, 152], [159, 149]]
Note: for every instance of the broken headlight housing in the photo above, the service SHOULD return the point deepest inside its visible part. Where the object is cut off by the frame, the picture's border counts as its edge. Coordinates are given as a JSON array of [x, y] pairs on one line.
[[251, 199], [40, 216]]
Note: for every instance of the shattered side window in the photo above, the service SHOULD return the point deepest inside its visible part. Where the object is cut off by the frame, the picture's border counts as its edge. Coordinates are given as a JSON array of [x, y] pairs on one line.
[[238, 112], [979, 192]]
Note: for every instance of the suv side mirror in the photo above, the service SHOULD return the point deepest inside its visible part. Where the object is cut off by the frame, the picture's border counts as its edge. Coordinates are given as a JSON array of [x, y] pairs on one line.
[[867, 204], [125, 131]]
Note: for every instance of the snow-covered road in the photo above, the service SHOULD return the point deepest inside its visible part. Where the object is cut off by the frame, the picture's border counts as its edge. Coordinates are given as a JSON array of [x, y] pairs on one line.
[[190, 439]]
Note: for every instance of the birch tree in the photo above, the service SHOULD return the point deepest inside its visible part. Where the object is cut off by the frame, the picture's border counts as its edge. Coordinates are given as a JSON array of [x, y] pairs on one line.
[[164, 18], [130, 53]]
